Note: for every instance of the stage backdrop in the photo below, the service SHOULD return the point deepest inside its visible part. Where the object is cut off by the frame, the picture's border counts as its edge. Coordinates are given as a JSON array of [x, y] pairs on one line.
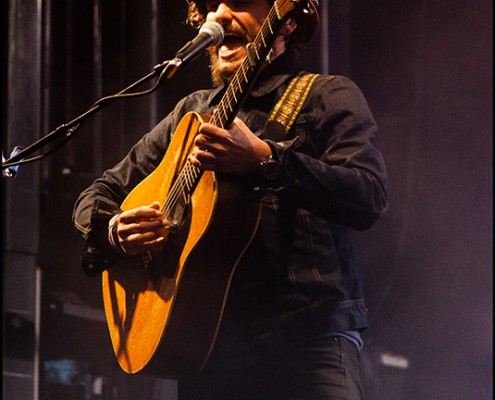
[[426, 69]]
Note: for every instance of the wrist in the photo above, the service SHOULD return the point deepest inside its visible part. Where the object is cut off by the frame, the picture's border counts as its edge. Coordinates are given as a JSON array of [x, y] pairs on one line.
[[270, 167], [113, 237], [266, 152]]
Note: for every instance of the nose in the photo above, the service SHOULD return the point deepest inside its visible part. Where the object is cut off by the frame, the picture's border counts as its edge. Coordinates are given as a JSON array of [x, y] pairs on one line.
[[222, 14]]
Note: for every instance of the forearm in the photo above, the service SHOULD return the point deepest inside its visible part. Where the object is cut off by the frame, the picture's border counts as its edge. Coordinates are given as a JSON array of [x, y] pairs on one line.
[[354, 197]]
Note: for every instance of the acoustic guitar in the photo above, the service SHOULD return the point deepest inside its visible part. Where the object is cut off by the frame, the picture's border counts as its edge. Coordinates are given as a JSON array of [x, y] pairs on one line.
[[164, 310]]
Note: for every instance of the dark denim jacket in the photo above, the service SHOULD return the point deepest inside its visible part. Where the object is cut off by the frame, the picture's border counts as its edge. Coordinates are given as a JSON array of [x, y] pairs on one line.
[[301, 269]]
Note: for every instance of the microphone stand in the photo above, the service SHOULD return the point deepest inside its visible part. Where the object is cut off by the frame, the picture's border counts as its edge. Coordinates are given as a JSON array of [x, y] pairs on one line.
[[18, 155]]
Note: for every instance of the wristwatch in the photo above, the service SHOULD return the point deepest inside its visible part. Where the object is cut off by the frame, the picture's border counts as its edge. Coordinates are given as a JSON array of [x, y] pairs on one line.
[[270, 168]]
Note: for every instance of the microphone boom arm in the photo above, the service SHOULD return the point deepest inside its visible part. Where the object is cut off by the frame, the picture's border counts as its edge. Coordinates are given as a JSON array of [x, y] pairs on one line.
[[18, 155]]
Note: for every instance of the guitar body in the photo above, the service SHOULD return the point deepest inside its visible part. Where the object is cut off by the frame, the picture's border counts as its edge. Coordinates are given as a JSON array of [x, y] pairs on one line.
[[164, 310], [165, 314]]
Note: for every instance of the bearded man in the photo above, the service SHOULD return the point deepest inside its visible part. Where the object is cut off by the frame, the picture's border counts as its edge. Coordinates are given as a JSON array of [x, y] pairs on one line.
[[294, 308]]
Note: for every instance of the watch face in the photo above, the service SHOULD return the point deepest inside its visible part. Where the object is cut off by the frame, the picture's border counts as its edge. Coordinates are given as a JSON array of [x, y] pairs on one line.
[[271, 169]]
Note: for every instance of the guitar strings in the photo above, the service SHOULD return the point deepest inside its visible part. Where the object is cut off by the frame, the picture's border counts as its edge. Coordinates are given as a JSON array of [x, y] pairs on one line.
[[258, 43], [186, 179]]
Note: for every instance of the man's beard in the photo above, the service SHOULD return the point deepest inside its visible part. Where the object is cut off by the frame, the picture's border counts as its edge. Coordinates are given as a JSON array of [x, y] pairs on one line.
[[221, 76], [222, 71]]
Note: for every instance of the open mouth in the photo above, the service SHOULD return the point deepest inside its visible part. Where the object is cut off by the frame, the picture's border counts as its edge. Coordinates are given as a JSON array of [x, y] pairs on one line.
[[231, 45]]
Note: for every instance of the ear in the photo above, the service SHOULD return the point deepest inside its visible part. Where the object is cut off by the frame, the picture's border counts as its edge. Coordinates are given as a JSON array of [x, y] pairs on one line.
[[289, 27]]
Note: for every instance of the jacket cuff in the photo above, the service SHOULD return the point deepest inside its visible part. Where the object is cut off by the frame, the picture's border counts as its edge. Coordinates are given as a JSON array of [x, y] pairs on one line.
[[99, 253], [95, 261]]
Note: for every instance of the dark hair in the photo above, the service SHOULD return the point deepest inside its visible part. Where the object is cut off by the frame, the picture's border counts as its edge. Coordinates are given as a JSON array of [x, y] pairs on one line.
[[196, 13]]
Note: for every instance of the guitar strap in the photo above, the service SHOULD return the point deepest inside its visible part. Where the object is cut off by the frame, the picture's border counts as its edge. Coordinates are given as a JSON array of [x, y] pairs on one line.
[[289, 105]]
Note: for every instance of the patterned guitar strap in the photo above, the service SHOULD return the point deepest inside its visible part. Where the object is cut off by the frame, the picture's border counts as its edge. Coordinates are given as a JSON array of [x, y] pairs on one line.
[[290, 104]]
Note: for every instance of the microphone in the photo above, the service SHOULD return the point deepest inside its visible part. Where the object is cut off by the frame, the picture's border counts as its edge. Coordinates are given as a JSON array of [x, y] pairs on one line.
[[210, 33]]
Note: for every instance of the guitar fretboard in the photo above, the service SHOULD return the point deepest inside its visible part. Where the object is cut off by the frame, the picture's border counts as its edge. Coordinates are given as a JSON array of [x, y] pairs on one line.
[[238, 88]]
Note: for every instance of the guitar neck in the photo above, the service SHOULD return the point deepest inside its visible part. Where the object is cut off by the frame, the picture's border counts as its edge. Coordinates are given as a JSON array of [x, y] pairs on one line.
[[257, 54]]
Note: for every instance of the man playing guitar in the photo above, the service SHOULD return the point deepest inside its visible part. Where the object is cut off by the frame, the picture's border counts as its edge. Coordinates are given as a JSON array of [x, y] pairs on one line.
[[290, 309]]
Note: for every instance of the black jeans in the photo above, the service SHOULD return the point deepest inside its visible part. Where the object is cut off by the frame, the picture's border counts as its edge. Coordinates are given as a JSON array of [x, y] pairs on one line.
[[323, 368]]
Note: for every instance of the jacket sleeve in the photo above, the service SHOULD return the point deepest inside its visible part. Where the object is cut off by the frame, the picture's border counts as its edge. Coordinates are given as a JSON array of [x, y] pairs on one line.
[[339, 173], [97, 204]]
